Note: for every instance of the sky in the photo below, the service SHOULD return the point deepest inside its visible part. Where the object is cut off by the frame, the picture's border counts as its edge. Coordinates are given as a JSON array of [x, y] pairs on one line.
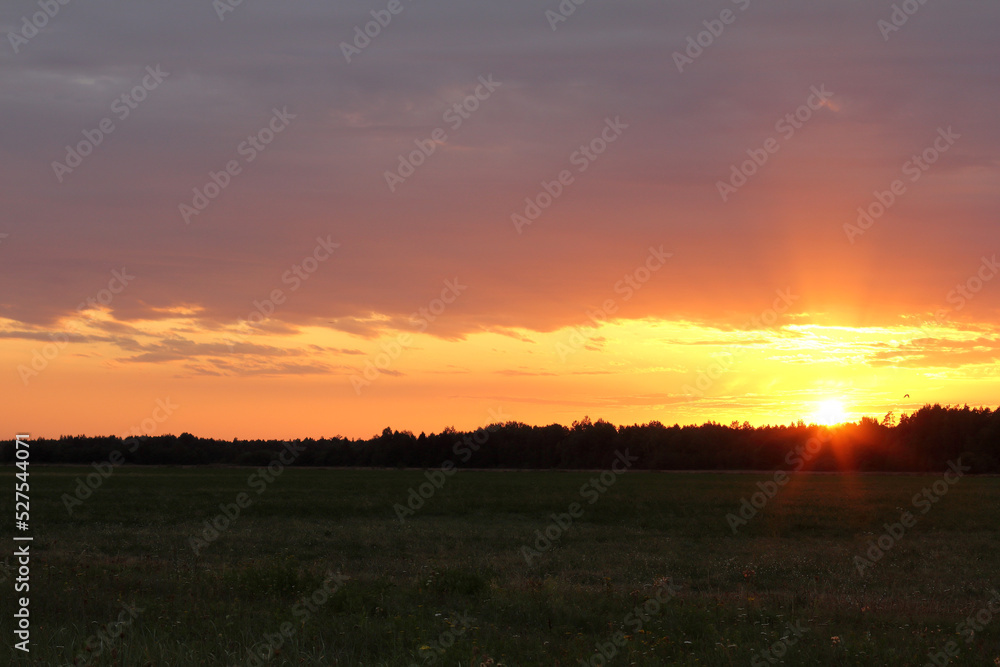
[[256, 220]]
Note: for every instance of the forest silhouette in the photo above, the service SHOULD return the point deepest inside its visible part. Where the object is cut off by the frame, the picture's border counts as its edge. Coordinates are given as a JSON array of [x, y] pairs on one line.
[[923, 441]]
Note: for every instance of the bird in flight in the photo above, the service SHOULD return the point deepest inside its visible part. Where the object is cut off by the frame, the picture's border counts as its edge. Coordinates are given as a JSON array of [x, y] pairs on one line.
[[906, 396]]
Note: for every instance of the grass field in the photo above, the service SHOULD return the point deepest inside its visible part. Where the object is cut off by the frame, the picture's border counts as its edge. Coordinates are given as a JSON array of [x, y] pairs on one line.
[[454, 573]]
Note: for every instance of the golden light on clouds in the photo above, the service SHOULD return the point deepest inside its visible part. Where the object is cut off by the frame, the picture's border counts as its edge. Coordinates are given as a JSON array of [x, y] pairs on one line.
[[625, 371], [857, 185]]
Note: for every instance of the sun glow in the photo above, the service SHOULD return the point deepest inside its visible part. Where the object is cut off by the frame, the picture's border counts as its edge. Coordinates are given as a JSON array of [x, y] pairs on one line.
[[829, 413]]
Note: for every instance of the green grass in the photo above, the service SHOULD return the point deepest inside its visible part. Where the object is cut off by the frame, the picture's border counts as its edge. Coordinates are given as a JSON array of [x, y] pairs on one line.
[[461, 555]]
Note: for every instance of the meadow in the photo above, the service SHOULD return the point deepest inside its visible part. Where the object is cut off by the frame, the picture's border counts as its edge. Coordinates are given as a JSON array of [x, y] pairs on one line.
[[649, 573]]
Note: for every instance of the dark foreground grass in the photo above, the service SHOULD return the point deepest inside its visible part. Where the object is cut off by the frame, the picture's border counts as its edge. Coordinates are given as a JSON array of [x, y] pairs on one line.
[[454, 574]]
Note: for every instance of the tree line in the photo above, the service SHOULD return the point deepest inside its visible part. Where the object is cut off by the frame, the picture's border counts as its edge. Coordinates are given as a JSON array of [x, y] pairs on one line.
[[923, 441]]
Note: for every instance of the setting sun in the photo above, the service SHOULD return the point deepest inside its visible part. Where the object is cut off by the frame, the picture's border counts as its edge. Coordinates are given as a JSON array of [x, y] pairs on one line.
[[829, 413], [426, 247]]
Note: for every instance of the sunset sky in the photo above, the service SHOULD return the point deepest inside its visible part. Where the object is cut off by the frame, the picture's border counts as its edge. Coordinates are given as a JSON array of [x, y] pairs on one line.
[[652, 282]]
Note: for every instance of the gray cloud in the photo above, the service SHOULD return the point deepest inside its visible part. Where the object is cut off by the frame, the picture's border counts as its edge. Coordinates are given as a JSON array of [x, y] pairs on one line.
[[323, 174]]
